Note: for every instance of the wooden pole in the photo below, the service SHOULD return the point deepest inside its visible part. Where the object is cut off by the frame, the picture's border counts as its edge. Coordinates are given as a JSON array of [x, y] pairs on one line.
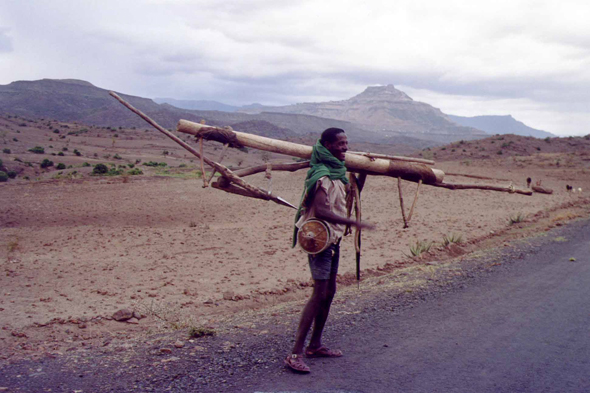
[[410, 171], [392, 158], [401, 201], [225, 172]]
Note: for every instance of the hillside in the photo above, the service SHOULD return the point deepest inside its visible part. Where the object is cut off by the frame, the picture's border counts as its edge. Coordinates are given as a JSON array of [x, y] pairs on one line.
[[74, 100], [500, 125], [385, 110]]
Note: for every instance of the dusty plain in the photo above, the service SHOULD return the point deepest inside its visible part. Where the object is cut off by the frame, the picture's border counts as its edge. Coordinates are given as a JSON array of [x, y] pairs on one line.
[[75, 248]]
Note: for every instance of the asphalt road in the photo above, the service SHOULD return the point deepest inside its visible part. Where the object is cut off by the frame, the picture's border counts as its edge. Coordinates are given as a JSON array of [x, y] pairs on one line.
[[519, 321], [524, 329]]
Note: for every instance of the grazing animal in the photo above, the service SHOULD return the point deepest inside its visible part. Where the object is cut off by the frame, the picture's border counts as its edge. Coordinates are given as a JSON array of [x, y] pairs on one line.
[[579, 189], [528, 182], [568, 188]]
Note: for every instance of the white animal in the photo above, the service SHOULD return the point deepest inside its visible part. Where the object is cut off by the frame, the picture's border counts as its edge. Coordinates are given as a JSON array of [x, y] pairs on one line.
[[579, 189]]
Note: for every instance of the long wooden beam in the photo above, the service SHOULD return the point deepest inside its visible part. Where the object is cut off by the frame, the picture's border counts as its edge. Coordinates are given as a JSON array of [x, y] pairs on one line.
[[355, 163]]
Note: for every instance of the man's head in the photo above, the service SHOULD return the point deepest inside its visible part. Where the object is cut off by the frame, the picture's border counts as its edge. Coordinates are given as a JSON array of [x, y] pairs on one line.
[[334, 139]]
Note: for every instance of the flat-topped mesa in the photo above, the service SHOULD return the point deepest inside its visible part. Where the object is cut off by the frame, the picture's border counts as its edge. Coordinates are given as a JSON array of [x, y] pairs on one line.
[[354, 163]]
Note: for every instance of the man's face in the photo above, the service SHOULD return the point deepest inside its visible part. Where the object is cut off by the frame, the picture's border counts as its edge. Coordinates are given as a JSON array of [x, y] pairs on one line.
[[339, 146]]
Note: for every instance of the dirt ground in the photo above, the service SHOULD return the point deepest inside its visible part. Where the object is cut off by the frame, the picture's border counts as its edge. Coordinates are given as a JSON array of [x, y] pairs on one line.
[[73, 250]]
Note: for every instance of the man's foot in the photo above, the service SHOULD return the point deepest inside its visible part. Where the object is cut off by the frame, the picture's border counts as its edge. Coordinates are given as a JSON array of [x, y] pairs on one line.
[[322, 352], [296, 363]]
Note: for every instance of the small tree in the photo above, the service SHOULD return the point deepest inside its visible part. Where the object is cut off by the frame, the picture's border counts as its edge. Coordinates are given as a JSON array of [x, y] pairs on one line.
[[46, 163], [100, 169]]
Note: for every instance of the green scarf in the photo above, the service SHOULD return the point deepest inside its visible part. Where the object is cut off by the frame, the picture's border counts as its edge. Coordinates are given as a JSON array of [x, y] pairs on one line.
[[322, 163]]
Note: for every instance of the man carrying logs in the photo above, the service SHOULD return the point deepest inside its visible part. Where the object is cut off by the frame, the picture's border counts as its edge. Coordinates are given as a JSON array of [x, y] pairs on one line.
[[324, 198]]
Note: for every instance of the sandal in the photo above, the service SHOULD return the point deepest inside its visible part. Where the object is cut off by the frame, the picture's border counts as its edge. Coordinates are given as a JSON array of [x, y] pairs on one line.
[[295, 363], [322, 352]]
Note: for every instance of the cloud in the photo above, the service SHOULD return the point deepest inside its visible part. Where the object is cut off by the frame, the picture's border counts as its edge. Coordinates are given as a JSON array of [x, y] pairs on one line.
[[285, 52], [5, 41]]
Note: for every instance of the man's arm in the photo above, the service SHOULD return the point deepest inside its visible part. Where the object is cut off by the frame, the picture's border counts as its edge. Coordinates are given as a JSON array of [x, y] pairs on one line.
[[323, 213]]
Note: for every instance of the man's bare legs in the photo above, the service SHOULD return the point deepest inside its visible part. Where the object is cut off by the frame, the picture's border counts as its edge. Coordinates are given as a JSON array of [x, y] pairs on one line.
[[316, 310]]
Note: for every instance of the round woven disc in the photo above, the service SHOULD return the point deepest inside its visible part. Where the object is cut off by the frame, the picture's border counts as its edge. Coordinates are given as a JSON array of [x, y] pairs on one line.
[[313, 236]]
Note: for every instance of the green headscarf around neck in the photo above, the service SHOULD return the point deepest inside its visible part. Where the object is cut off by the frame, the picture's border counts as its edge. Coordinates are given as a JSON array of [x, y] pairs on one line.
[[322, 163]]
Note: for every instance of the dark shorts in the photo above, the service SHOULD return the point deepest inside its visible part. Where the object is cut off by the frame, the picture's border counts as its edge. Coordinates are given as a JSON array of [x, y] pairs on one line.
[[325, 264]]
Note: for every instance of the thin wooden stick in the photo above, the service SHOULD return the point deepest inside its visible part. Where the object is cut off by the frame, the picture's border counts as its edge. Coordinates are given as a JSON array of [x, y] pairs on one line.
[[291, 167], [415, 199], [392, 158], [475, 176], [457, 186], [401, 201], [205, 183], [226, 172], [225, 146]]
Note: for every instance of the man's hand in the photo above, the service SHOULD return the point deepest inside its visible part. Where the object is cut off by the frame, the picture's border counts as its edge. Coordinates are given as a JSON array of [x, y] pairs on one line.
[[323, 213]]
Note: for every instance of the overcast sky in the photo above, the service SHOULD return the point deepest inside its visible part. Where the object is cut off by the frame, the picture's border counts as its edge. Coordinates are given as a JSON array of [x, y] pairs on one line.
[[530, 59]]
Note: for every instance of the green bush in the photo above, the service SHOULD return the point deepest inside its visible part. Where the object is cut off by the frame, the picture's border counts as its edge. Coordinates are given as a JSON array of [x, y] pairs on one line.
[[3, 176], [61, 154], [131, 165], [76, 152], [61, 165], [46, 163], [100, 169], [117, 157], [85, 164], [135, 172], [6, 151], [37, 150]]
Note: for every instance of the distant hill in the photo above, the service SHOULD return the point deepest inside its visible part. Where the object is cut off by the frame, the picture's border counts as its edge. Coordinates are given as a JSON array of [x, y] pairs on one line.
[[500, 125], [75, 100], [384, 110], [201, 105]]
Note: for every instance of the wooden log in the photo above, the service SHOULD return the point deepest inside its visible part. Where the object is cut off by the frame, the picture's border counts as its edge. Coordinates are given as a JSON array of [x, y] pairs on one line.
[[542, 190], [354, 163]]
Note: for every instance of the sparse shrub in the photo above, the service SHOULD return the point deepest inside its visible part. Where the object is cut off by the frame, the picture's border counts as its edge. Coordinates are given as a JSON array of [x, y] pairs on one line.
[[135, 172], [55, 131], [61, 154], [182, 166], [11, 174], [548, 140], [499, 152], [196, 332], [37, 150], [420, 247], [60, 165], [100, 169], [131, 165], [14, 140], [63, 149], [452, 238], [515, 219], [443, 148], [162, 164], [192, 224], [538, 148], [165, 152], [6, 151], [115, 172], [46, 163], [85, 164], [116, 135], [76, 152], [3, 176], [117, 157]]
